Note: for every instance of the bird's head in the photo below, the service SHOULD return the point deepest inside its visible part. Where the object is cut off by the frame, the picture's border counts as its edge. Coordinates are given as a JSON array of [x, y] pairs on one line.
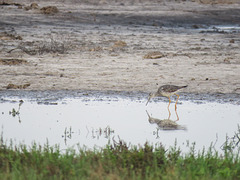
[[151, 95]]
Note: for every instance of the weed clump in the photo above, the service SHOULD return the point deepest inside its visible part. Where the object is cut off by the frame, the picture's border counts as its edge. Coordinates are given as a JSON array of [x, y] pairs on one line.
[[116, 161], [51, 45]]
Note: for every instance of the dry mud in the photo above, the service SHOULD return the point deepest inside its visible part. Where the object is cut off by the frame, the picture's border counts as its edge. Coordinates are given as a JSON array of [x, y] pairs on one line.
[[120, 46]]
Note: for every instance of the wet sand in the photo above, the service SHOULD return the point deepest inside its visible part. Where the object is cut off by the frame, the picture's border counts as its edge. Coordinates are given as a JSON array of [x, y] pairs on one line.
[[121, 46]]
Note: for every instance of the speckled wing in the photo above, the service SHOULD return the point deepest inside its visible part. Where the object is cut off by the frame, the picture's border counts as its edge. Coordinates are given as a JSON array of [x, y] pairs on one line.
[[170, 88]]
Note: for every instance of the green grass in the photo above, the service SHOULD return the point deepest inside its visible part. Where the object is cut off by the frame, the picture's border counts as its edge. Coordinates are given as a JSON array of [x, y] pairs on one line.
[[116, 161]]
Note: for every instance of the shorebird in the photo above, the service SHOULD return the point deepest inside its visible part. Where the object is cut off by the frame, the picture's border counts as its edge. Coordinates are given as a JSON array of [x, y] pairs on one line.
[[167, 91]]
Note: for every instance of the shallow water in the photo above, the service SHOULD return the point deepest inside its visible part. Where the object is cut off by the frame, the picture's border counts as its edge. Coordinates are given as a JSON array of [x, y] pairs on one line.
[[221, 29], [93, 121]]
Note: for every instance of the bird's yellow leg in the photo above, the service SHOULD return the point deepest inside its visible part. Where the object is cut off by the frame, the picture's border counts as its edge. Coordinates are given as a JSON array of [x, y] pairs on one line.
[[169, 102], [176, 101], [176, 115], [168, 108], [169, 114]]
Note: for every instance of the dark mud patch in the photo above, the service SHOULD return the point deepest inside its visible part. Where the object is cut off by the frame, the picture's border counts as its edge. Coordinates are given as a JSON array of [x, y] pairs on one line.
[[9, 4]]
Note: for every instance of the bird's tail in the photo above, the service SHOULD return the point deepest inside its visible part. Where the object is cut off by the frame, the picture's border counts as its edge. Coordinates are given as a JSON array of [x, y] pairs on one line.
[[184, 86]]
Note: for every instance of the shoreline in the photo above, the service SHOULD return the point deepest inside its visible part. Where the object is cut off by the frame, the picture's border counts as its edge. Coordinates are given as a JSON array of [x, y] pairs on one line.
[[49, 96]]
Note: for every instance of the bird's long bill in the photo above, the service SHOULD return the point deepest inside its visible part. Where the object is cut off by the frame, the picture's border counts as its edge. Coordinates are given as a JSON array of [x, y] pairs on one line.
[[149, 98]]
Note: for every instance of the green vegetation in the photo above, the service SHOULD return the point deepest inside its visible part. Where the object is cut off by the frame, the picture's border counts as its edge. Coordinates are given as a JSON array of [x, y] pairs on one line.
[[118, 161]]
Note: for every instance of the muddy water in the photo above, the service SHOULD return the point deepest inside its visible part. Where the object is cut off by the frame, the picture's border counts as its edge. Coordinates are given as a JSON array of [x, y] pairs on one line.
[[95, 119]]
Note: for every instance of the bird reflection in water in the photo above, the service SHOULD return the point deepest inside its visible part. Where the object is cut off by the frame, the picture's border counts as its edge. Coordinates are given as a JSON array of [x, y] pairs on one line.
[[165, 124]]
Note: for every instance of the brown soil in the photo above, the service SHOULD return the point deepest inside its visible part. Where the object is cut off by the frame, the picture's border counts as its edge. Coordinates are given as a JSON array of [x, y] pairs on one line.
[[12, 61], [49, 10], [128, 45]]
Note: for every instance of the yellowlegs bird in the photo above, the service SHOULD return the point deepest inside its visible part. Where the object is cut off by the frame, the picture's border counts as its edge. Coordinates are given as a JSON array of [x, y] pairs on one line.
[[167, 91]]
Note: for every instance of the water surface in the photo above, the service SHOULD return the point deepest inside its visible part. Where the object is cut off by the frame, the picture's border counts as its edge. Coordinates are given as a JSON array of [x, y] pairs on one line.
[[93, 120]]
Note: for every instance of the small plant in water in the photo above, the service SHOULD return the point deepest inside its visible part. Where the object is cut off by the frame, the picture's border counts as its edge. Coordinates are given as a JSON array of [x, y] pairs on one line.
[[106, 132], [67, 134], [15, 112]]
